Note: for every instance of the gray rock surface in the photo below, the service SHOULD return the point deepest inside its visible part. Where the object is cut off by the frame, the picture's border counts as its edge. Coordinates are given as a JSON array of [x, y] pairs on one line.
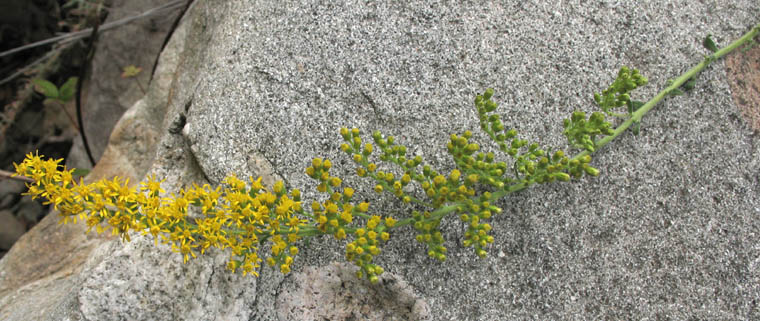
[[9, 192], [668, 231], [10, 229], [29, 210]]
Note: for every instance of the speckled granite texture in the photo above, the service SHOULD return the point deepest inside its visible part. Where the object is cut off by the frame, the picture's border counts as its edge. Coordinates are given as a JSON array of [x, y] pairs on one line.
[[668, 231]]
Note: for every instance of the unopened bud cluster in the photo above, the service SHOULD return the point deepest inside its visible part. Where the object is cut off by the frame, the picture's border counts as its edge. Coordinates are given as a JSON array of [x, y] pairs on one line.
[[582, 132]]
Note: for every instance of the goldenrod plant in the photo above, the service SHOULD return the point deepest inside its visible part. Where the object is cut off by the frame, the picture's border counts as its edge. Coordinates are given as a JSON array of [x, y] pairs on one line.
[[243, 215]]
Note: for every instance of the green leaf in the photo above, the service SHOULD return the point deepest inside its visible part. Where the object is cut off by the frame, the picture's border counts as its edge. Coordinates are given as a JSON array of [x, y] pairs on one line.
[[48, 89], [750, 44], [80, 172], [634, 105], [132, 71], [635, 128], [689, 85], [675, 92], [709, 44], [68, 89]]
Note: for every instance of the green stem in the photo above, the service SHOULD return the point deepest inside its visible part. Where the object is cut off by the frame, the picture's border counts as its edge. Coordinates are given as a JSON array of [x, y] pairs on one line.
[[636, 117]]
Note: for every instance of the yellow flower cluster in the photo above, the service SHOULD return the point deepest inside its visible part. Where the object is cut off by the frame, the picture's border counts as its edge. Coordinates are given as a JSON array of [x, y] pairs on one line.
[[363, 249], [235, 217]]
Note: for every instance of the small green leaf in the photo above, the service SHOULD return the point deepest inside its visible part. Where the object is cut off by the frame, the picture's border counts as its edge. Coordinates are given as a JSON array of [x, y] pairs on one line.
[[709, 44], [751, 43], [634, 105], [80, 172], [635, 128], [689, 85], [48, 89], [675, 92], [68, 89], [132, 71]]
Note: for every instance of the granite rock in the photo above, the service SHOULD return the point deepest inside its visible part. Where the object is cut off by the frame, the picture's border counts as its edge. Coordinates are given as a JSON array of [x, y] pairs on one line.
[[10, 191], [29, 211], [668, 231], [10, 229]]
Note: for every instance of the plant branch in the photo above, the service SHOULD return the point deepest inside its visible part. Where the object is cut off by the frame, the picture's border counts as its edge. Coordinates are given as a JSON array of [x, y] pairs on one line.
[[637, 115], [10, 175], [624, 126]]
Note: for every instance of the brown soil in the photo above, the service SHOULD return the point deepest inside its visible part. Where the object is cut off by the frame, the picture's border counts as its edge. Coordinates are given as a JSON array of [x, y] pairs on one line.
[[743, 73]]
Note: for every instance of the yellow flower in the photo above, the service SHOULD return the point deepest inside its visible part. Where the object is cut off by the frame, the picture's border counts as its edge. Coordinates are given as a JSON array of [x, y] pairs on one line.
[[154, 228], [152, 186], [372, 222], [340, 234], [278, 188], [285, 206], [232, 265], [294, 224], [185, 248], [250, 264], [331, 207], [233, 182], [256, 184], [346, 216]]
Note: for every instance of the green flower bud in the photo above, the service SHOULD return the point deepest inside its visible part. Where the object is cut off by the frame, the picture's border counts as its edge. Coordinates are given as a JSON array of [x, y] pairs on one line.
[[590, 170], [490, 106], [488, 94]]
